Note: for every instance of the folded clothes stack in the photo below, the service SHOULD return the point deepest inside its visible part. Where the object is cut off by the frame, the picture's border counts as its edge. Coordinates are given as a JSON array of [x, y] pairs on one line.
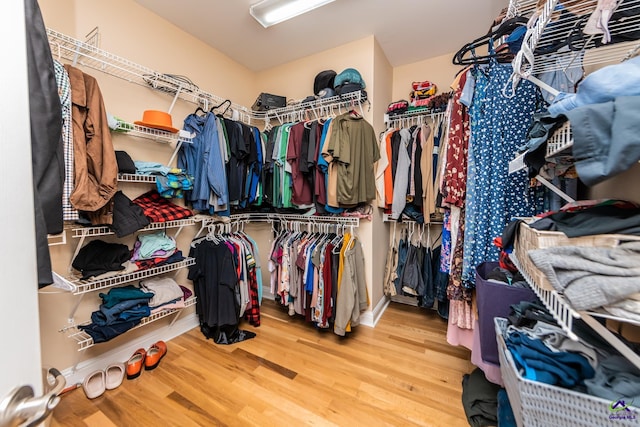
[[592, 277], [159, 209], [542, 352], [124, 307], [101, 260]]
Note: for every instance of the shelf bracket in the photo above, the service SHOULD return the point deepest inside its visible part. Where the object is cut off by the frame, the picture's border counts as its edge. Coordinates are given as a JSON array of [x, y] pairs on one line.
[[74, 309], [175, 98], [555, 189], [542, 85], [175, 153], [77, 250], [178, 232], [175, 318], [76, 54]]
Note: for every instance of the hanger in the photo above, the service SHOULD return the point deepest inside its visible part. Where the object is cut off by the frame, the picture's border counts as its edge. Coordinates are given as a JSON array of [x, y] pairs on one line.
[[226, 101], [200, 110], [58, 49], [267, 125], [353, 112], [505, 28]]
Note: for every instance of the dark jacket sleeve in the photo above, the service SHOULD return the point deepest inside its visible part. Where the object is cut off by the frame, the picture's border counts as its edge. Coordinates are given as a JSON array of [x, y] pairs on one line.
[[46, 138]]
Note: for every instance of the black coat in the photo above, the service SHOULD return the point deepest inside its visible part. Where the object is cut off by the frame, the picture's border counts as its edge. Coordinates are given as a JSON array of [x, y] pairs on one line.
[[46, 138]]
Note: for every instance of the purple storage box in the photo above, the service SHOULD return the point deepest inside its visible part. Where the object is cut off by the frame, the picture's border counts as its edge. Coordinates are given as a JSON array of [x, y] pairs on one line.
[[494, 300]]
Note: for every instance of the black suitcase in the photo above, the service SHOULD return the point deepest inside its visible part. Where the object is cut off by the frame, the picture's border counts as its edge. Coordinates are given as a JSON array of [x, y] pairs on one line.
[[267, 101]]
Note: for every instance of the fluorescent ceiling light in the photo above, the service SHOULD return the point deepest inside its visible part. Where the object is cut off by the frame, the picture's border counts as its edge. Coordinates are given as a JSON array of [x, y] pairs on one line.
[[271, 12]]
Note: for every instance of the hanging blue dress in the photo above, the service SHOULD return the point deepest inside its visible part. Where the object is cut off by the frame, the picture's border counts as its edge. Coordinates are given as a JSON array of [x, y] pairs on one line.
[[498, 126]]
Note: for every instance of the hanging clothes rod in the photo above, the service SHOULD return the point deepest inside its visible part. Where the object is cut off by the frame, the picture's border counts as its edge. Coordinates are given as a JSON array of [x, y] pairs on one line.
[[417, 116], [269, 217], [248, 218], [297, 110]]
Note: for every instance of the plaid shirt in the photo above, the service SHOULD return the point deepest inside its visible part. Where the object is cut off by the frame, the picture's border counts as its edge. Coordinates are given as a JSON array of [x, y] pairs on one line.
[[159, 209], [157, 262], [69, 213], [252, 314]]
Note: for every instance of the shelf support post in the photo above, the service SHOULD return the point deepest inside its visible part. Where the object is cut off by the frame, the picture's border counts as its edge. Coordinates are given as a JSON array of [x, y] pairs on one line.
[[175, 98]]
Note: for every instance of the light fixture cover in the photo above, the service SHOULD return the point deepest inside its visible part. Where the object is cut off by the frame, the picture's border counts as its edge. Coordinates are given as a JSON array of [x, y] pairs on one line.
[[271, 12]]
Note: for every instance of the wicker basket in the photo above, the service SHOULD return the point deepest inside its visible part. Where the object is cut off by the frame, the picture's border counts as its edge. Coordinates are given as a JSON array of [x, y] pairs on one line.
[[529, 238], [537, 404]]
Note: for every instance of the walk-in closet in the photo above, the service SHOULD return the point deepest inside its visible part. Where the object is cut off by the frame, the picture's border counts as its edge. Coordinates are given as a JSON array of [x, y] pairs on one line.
[[332, 213]]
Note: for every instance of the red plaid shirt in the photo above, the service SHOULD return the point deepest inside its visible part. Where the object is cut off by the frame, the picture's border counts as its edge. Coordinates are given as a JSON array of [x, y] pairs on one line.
[[252, 314], [159, 209]]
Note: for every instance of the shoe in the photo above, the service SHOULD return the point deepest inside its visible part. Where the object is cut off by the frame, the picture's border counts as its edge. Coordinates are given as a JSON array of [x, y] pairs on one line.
[[113, 375], [135, 363], [155, 353], [94, 384]]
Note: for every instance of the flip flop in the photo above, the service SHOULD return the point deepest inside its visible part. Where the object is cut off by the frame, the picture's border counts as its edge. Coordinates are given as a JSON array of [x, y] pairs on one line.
[[94, 384], [114, 374]]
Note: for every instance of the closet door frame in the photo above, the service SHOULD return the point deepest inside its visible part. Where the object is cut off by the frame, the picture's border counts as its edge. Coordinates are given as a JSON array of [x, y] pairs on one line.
[[19, 314]]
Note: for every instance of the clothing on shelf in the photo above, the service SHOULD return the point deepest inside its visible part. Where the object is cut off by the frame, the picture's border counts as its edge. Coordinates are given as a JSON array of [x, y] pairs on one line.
[[124, 307], [158, 209], [99, 260], [226, 285], [153, 245], [587, 217], [320, 276], [591, 277], [98, 257], [128, 217], [164, 290]]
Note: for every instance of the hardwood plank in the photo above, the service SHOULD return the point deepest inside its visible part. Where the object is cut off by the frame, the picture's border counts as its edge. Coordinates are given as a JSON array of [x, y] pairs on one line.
[[401, 373], [99, 419], [288, 373]]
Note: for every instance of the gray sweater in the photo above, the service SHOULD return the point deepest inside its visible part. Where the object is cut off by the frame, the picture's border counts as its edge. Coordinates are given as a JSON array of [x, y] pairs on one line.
[[591, 276]]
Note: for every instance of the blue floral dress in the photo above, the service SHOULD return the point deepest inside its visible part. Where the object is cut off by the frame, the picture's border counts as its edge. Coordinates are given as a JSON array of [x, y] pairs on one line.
[[498, 126]]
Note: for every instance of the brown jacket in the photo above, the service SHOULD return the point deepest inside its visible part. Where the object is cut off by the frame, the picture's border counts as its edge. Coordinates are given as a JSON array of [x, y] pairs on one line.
[[95, 166]]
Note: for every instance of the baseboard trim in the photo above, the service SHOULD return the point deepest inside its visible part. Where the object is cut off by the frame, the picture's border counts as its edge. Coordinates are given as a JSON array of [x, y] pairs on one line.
[[371, 318], [76, 374]]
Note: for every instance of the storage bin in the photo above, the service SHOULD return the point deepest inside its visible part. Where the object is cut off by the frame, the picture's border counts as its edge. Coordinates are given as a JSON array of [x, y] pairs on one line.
[[494, 300], [529, 238], [537, 404]]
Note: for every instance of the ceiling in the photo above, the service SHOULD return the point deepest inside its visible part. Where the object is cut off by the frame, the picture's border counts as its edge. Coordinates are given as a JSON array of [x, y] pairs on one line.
[[407, 30]]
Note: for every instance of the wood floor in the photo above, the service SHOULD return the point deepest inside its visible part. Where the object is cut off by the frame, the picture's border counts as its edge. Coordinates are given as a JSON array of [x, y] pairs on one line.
[[401, 373]]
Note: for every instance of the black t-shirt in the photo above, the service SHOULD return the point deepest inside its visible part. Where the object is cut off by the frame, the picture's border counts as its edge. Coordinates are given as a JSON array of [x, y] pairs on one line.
[[215, 283]]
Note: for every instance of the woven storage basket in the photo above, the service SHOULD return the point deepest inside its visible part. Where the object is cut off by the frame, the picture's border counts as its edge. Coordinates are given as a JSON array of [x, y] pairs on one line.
[[537, 404], [529, 238]]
